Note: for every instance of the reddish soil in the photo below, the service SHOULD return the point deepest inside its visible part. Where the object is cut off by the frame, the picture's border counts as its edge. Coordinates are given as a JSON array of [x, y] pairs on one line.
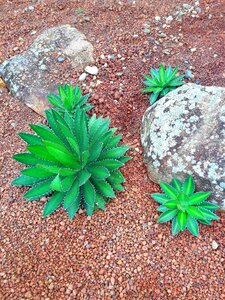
[[121, 253]]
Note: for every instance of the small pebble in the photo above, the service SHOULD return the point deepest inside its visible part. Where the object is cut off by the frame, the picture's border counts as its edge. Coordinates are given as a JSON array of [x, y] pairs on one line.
[[91, 70], [214, 245], [82, 77], [188, 74], [146, 30], [60, 59], [169, 19], [33, 32], [102, 56], [157, 18], [193, 49], [119, 74], [197, 81], [86, 19], [43, 67], [135, 36]]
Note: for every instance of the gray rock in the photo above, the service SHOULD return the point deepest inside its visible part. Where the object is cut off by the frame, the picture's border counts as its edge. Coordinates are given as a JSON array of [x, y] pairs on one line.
[[188, 74], [184, 133], [23, 74]]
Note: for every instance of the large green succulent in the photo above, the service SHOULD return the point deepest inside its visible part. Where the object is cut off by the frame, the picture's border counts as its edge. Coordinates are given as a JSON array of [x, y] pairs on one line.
[[161, 82], [68, 99], [184, 207], [75, 161]]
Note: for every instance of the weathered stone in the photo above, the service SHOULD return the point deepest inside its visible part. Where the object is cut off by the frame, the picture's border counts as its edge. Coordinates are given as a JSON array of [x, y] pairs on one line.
[[184, 133], [27, 75]]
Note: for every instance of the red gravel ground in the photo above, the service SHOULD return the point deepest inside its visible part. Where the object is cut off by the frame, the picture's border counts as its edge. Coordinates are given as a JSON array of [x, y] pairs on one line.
[[121, 253]]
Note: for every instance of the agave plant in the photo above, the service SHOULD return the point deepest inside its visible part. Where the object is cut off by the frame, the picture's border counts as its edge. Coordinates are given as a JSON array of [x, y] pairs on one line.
[[161, 82], [75, 161], [184, 207], [68, 99]]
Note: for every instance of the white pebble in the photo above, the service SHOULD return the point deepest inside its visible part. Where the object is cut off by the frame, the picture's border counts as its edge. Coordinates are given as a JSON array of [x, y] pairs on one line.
[[82, 76], [91, 70], [169, 19], [214, 245], [157, 18]]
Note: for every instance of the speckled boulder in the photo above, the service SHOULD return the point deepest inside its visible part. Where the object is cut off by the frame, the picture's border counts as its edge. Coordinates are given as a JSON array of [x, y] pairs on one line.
[[184, 133], [27, 75]]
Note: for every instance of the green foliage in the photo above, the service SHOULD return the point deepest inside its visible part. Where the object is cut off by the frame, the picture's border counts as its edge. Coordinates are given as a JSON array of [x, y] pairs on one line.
[[184, 207], [75, 160], [161, 82], [68, 99]]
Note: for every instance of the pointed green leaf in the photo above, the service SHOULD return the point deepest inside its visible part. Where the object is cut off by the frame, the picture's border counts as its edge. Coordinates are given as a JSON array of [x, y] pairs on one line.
[[41, 152], [125, 159], [56, 184], [89, 193], [116, 152], [99, 172], [171, 204], [37, 173], [153, 98], [192, 226], [205, 222], [64, 158], [167, 216], [169, 190], [71, 195], [72, 210], [67, 182], [83, 177], [198, 198], [39, 190], [208, 215], [110, 164], [208, 205], [162, 208], [26, 181], [100, 202], [27, 159], [182, 219], [53, 203], [177, 184], [113, 141], [160, 198], [103, 188], [189, 186], [30, 138], [45, 133], [195, 212], [89, 209], [175, 226]]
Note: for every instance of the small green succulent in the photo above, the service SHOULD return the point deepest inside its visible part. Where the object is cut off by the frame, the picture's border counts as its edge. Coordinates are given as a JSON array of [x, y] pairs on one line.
[[184, 207], [161, 82], [75, 161], [68, 99]]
